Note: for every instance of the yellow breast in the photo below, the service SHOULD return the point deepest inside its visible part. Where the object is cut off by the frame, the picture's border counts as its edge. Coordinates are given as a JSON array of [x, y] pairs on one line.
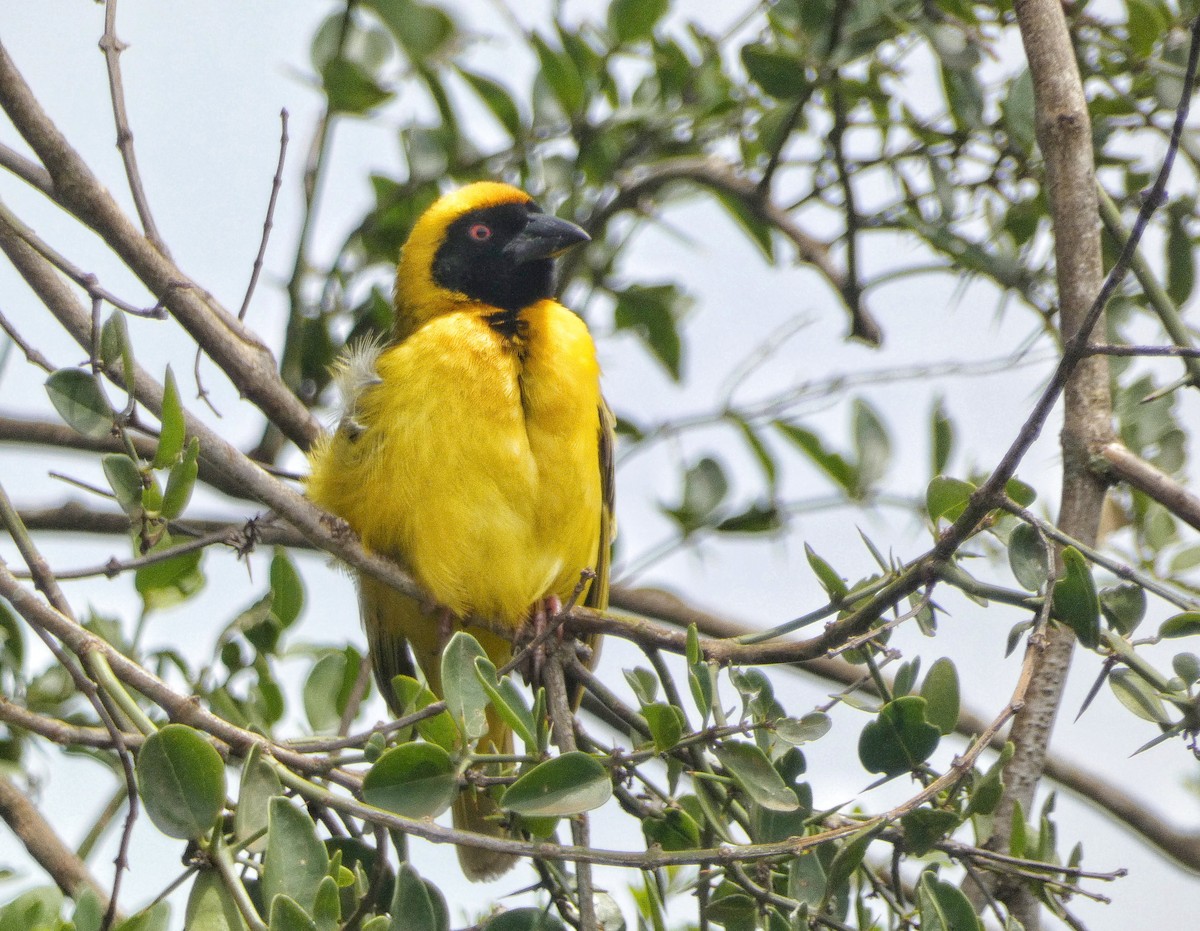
[[474, 460]]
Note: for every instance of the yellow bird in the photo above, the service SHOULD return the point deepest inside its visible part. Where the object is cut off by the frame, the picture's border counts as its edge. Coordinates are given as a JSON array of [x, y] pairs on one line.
[[475, 449]]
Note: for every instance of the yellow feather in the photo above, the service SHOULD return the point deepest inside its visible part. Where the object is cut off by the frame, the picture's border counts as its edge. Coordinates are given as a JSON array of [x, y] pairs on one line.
[[480, 460]]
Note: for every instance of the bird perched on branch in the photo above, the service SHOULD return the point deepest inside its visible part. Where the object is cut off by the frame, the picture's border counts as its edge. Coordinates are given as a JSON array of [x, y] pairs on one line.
[[475, 448]]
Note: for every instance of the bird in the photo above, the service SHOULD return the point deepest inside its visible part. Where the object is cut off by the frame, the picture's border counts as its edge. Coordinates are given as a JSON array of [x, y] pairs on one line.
[[476, 449]]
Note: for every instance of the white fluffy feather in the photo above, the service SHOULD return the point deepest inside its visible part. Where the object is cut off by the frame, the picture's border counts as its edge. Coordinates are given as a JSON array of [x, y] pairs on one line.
[[354, 372]]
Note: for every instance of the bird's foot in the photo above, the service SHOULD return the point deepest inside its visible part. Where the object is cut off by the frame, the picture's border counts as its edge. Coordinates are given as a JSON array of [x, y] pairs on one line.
[[534, 633], [445, 625]]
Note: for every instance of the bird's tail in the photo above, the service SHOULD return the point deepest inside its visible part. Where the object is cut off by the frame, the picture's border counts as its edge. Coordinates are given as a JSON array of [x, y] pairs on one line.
[[399, 630]]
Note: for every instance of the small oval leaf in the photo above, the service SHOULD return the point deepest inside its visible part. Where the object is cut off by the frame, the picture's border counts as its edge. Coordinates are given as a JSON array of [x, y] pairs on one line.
[[181, 779], [751, 769], [80, 401], [566, 785], [417, 780]]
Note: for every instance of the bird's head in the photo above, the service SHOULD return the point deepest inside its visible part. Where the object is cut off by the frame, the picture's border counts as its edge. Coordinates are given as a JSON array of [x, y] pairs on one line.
[[486, 243]]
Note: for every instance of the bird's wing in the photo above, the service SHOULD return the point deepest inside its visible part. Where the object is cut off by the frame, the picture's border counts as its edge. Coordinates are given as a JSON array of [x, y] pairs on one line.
[[597, 596]]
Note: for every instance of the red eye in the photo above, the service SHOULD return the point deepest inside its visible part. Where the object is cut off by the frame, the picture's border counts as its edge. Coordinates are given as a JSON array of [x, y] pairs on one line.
[[480, 233]]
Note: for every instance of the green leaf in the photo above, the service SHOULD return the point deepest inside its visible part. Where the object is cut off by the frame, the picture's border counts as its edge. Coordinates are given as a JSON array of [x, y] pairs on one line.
[[652, 313], [941, 438], [288, 915], [465, 697], [565, 785], [631, 20], [753, 772], [925, 827], [675, 829], [562, 77], [644, 684], [1020, 492], [872, 447], [1186, 624], [89, 913], [417, 780], [1147, 22], [508, 701], [115, 347], [153, 918], [988, 788], [181, 780], [525, 919], [906, 677], [296, 859], [778, 73], [848, 858], [172, 433], [1075, 600], [835, 586], [813, 726], [287, 589], [12, 641], [899, 739], [125, 479], [182, 481], [947, 498], [758, 518], [259, 784], [327, 910], [417, 905], [1181, 261], [806, 879], [350, 89], [1027, 557], [941, 694], [80, 401], [1187, 667], [327, 688], [422, 30], [943, 907], [210, 907], [831, 463], [1123, 606], [497, 99], [666, 724], [1017, 111], [704, 488], [171, 581], [1138, 696]]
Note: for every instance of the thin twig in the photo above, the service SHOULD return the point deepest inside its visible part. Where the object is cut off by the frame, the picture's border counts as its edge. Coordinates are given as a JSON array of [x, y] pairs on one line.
[[239, 352], [31, 353], [112, 47], [1105, 349], [48, 585], [39, 838], [269, 220], [563, 720]]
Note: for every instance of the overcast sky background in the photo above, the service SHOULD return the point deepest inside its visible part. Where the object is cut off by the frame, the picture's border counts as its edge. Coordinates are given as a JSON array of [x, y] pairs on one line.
[[205, 83]]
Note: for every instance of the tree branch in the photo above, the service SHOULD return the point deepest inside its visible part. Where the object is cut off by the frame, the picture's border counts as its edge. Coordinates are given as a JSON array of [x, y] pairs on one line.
[[44, 845], [239, 353]]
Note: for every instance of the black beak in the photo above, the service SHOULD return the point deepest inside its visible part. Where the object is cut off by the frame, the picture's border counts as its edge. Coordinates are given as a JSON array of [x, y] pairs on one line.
[[544, 237]]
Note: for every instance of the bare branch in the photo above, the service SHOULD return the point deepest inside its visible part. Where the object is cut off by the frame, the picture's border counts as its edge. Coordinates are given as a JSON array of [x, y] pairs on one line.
[[239, 353], [44, 845], [269, 221], [31, 173], [112, 47], [721, 177], [1153, 482], [31, 353], [60, 436]]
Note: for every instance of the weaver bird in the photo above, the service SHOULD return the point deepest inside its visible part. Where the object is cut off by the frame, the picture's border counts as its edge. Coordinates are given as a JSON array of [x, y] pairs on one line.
[[475, 449]]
